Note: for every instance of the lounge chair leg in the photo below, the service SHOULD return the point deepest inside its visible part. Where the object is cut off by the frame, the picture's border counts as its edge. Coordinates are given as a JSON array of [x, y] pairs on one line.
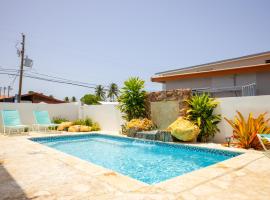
[[260, 139]]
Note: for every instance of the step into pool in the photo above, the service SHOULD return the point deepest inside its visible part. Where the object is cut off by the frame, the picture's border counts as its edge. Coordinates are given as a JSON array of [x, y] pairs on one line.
[[147, 161]]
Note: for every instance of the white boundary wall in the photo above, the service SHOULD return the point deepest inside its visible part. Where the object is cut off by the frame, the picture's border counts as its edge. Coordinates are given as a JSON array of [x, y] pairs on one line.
[[66, 110], [228, 106], [107, 115]]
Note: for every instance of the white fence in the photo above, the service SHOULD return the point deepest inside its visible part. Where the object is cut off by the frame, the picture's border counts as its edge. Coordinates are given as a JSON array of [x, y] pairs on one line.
[[109, 117], [228, 107], [66, 110]]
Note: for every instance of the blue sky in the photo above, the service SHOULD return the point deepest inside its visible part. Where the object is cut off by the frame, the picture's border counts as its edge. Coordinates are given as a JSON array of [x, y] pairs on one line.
[[101, 42]]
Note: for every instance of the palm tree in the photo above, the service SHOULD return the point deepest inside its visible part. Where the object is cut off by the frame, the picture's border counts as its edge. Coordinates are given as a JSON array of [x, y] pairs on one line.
[[66, 99], [113, 92], [100, 92], [73, 99]]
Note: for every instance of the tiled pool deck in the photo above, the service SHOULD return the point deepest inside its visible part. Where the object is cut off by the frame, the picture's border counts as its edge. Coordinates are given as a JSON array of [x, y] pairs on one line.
[[30, 170]]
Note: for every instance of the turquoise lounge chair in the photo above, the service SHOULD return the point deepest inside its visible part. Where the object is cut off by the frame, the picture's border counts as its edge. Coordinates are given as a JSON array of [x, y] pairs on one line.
[[42, 120], [262, 137], [11, 121]]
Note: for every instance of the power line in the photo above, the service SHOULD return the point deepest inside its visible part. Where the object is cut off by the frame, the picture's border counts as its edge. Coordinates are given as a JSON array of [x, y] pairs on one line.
[[50, 80], [14, 79], [60, 78], [46, 77]]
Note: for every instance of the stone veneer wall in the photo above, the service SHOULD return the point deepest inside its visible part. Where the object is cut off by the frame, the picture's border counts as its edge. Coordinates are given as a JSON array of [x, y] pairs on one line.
[[178, 95]]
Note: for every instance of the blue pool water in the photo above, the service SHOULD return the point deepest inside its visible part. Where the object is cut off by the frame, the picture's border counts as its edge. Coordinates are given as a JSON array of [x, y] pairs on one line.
[[147, 161]]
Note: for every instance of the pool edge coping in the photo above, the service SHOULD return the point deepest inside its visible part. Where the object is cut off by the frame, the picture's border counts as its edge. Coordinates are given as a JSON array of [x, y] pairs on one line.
[[199, 176]]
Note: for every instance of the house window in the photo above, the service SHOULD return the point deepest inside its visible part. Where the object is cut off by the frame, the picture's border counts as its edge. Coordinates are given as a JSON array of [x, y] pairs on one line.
[[267, 61]]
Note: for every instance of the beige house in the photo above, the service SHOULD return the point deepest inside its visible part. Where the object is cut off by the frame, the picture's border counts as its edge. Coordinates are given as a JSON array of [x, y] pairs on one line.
[[244, 76]]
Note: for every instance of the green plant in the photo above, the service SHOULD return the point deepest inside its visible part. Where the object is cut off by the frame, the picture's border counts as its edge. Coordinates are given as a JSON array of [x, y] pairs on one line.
[[73, 99], [132, 99], [113, 92], [88, 121], [100, 93], [85, 122], [245, 131], [201, 108], [140, 125], [90, 99], [66, 99], [59, 120], [95, 127], [79, 122]]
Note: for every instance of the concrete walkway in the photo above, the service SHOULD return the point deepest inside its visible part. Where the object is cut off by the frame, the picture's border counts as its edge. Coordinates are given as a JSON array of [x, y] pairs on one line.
[[29, 170]]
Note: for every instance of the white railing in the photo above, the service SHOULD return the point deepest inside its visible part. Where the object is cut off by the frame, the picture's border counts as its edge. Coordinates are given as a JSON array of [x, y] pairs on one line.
[[249, 90], [246, 90]]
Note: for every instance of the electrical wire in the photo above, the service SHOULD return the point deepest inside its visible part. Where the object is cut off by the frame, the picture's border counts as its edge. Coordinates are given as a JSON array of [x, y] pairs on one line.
[[50, 80], [60, 78]]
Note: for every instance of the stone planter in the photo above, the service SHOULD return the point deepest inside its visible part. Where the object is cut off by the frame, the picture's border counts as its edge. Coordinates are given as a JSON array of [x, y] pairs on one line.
[[131, 132], [159, 135]]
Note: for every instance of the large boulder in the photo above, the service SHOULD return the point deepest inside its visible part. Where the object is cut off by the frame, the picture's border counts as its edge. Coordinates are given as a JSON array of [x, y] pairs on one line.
[[79, 128], [75, 128], [64, 126], [85, 128], [184, 130]]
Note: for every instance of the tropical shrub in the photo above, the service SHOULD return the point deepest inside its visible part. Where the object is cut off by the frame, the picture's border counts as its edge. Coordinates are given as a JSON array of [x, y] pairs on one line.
[[73, 99], [85, 122], [88, 121], [245, 131], [95, 127], [132, 99], [59, 120], [66, 99], [140, 124], [90, 99], [201, 108], [133, 126]]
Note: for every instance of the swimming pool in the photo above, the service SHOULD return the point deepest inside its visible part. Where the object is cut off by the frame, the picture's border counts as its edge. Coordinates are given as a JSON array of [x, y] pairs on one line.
[[147, 161]]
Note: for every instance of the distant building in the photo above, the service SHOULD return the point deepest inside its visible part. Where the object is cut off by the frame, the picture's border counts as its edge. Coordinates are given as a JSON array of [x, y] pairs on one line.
[[33, 97], [243, 76]]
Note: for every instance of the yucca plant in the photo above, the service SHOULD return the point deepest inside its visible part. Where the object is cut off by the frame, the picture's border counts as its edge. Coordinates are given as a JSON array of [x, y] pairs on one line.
[[245, 131], [201, 112], [132, 99]]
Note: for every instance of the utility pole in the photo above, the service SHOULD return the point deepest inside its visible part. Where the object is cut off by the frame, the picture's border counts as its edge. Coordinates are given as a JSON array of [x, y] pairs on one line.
[[21, 69]]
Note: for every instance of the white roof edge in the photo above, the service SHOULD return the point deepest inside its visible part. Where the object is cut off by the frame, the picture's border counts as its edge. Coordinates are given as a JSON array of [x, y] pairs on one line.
[[215, 63]]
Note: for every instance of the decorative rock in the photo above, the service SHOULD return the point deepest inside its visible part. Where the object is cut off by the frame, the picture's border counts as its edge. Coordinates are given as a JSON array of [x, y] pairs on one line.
[[85, 128], [64, 125], [75, 128], [180, 95], [149, 135], [164, 136], [184, 130]]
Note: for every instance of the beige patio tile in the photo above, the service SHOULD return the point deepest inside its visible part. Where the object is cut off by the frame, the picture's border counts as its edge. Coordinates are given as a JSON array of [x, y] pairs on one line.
[[30, 170]]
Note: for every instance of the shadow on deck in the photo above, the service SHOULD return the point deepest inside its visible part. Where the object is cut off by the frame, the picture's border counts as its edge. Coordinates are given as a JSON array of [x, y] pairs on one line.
[[9, 188]]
